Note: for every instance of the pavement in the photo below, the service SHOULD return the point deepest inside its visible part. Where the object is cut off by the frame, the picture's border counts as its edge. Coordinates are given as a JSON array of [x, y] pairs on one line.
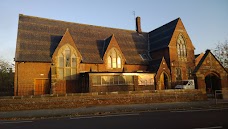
[[111, 109]]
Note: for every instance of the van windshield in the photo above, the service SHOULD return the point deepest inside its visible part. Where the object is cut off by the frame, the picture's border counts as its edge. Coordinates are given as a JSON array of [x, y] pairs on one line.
[[182, 82], [185, 82]]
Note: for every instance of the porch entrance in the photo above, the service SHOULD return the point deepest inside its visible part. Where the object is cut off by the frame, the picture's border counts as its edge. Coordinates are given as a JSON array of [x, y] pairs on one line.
[[213, 82], [164, 81]]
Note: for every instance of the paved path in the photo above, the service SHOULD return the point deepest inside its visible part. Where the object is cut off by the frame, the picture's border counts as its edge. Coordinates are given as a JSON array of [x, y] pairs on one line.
[[112, 109]]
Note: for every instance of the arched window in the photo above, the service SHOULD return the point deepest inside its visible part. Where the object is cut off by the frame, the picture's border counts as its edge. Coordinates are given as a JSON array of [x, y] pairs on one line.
[[189, 72], [109, 62], [178, 74], [181, 47], [119, 62], [114, 59], [67, 63]]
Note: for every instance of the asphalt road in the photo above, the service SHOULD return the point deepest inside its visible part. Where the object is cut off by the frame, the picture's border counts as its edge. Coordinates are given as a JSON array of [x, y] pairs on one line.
[[189, 119]]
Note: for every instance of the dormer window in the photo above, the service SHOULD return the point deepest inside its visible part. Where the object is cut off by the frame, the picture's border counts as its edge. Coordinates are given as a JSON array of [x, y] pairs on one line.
[[114, 59], [181, 47], [67, 63], [144, 56]]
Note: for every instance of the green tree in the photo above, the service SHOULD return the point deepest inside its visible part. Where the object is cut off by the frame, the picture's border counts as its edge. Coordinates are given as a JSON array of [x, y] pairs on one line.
[[221, 53], [6, 78]]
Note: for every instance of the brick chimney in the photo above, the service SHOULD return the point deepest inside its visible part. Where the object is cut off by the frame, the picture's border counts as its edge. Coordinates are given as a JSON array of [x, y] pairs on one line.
[[138, 25]]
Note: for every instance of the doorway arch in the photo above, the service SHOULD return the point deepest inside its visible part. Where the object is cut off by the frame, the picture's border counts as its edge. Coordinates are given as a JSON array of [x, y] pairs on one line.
[[213, 82], [164, 81]]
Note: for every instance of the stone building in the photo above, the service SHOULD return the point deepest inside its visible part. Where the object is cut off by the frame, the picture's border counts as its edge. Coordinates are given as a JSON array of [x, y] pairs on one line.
[[58, 57]]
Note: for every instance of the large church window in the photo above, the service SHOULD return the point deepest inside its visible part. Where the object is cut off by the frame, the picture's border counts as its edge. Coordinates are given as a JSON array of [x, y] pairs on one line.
[[61, 60], [73, 60], [67, 63], [181, 47], [67, 57], [114, 59]]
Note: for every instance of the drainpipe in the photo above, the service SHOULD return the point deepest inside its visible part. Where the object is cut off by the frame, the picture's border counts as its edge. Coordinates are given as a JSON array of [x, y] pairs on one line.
[[17, 78]]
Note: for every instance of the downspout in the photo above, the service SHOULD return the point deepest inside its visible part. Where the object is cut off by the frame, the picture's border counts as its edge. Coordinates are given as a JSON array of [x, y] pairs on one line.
[[17, 78], [148, 42]]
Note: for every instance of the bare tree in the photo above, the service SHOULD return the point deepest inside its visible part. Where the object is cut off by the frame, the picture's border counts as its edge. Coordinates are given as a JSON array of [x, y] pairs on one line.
[[221, 53]]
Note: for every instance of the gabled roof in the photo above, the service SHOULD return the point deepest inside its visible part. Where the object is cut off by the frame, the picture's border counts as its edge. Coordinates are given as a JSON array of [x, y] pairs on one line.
[[111, 43], [38, 38], [198, 58], [160, 37], [66, 39], [154, 65], [106, 43], [202, 60]]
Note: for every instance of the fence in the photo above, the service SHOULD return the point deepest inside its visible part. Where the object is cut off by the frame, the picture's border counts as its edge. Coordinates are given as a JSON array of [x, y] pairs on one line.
[[6, 91], [221, 96]]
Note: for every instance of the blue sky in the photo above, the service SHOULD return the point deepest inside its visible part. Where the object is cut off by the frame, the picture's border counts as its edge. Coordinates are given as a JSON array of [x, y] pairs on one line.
[[206, 21]]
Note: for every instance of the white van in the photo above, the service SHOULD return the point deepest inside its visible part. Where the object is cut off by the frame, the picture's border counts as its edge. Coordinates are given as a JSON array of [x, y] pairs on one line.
[[186, 84]]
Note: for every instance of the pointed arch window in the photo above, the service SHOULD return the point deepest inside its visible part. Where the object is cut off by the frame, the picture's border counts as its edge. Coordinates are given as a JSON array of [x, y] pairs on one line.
[[189, 72], [178, 74], [67, 63], [114, 59], [181, 47], [109, 62], [119, 62]]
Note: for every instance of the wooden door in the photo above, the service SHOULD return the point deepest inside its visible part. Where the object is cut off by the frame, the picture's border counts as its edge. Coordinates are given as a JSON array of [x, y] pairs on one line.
[[42, 87]]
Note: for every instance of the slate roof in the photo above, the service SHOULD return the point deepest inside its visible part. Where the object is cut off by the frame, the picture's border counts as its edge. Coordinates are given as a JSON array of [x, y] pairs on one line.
[[160, 37], [38, 38], [154, 65], [198, 58]]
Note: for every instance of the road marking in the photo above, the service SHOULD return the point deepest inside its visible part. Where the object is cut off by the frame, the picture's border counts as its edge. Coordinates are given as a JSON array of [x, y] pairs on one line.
[[215, 127], [14, 122], [200, 110], [103, 116]]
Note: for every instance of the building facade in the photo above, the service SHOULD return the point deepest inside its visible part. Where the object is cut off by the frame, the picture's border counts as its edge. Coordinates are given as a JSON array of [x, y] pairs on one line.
[[58, 57]]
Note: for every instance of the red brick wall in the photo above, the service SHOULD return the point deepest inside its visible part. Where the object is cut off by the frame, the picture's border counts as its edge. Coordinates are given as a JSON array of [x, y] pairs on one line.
[[27, 72], [25, 75], [211, 65], [171, 56], [174, 61]]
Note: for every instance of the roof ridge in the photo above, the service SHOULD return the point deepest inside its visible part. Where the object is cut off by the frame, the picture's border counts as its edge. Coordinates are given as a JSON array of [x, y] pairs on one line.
[[165, 24], [77, 23]]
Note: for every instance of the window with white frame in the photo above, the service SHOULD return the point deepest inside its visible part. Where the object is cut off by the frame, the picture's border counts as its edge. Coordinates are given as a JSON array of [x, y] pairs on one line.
[[67, 63], [181, 47], [114, 59]]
